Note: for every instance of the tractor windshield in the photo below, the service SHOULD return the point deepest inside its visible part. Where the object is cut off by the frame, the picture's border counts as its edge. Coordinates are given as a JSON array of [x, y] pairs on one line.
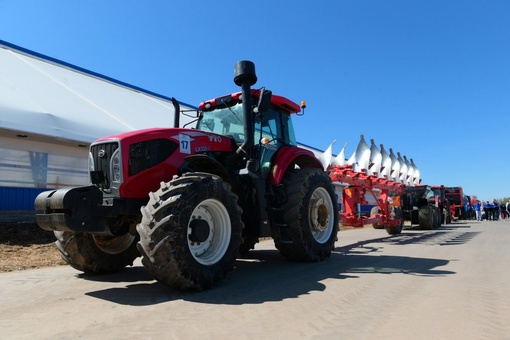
[[226, 121], [272, 128]]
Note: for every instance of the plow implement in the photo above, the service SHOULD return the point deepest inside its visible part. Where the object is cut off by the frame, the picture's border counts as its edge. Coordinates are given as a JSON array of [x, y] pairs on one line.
[[372, 171]]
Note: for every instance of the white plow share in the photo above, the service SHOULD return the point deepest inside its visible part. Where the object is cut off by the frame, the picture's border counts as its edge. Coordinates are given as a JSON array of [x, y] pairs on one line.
[[375, 172]]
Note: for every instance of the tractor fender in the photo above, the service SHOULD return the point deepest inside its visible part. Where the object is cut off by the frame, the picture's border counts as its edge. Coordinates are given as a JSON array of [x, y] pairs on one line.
[[287, 158]]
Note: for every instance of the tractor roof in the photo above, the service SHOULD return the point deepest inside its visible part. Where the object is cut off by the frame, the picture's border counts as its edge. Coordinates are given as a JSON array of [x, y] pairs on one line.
[[280, 102]]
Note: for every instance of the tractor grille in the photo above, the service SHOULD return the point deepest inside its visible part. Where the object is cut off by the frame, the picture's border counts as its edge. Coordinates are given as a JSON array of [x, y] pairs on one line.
[[102, 155]]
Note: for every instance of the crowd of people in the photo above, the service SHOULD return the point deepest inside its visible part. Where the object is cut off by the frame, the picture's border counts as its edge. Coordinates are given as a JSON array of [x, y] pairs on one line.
[[491, 211]]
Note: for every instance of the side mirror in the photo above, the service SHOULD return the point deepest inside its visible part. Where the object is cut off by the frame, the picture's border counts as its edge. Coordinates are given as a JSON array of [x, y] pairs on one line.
[[264, 102]]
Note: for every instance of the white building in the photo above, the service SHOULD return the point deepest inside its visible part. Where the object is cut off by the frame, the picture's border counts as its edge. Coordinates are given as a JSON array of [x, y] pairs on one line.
[[50, 112]]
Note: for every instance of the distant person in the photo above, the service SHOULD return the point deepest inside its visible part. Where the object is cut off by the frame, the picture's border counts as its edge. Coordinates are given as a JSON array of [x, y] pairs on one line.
[[470, 213], [502, 211], [495, 210], [478, 210], [488, 211]]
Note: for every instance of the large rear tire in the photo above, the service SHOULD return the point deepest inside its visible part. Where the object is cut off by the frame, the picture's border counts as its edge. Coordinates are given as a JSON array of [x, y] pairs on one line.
[[437, 217], [426, 218], [308, 223], [191, 231], [95, 254]]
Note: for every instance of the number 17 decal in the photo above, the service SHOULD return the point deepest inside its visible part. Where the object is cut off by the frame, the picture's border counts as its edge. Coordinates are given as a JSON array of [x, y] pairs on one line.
[[185, 143]]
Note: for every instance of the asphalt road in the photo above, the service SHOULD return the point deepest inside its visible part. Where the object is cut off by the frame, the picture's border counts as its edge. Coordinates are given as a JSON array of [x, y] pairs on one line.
[[449, 283]]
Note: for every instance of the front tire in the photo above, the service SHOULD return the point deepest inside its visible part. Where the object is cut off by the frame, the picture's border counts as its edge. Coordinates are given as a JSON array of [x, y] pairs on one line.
[[95, 254], [308, 224], [191, 232]]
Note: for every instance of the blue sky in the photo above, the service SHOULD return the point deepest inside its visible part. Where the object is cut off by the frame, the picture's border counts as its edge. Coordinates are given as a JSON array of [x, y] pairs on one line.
[[430, 79]]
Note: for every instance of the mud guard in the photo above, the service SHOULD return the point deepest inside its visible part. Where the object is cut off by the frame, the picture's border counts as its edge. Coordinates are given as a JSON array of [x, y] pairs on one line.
[[288, 155]]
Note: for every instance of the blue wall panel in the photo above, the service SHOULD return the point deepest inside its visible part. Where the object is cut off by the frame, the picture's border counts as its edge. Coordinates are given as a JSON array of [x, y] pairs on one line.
[[18, 198]]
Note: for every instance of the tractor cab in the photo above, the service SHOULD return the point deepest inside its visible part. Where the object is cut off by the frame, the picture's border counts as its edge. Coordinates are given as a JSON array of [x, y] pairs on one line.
[[272, 125]]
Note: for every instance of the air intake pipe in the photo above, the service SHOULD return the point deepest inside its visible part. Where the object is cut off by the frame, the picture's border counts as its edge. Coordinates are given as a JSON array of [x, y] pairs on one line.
[[244, 76]]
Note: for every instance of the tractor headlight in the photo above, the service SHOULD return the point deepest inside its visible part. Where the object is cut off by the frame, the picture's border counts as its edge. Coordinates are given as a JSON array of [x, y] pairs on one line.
[[91, 162], [91, 166], [116, 166]]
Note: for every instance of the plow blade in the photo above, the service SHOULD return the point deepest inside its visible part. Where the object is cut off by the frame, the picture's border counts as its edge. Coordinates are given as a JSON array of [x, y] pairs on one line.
[[385, 164], [360, 159], [373, 171]]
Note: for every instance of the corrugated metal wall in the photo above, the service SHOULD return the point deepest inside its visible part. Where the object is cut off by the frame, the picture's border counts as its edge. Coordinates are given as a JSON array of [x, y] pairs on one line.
[[18, 198]]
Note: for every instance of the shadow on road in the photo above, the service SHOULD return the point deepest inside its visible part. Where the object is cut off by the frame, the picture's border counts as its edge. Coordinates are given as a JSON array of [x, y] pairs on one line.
[[442, 236], [264, 275]]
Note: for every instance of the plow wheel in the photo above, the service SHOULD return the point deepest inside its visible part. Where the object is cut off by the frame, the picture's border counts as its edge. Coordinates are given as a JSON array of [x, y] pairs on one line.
[[373, 211], [190, 232], [395, 214], [309, 221], [95, 254]]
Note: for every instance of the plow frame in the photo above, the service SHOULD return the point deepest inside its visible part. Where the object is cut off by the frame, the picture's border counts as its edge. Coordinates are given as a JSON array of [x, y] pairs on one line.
[[358, 185]]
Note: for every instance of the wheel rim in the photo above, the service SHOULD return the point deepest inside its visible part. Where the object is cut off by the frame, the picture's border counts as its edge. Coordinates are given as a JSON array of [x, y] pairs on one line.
[[209, 230], [321, 219], [113, 245]]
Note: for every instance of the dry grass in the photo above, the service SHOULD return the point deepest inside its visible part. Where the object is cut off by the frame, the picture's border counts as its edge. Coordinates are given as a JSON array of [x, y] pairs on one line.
[[26, 246]]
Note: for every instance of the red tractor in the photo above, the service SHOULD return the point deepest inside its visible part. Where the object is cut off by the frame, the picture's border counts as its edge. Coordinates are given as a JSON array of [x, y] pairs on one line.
[[455, 197], [190, 201], [441, 201]]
